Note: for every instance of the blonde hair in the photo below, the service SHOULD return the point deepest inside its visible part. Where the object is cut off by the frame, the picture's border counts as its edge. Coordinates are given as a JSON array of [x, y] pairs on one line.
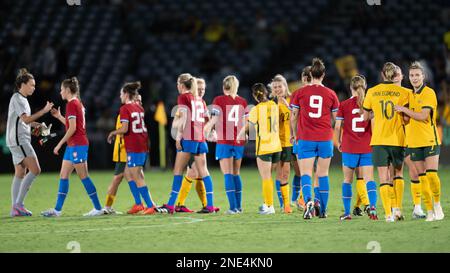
[[231, 84], [389, 71], [189, 82], [358, 85], [201, 80], [417, 65], [280, 78]]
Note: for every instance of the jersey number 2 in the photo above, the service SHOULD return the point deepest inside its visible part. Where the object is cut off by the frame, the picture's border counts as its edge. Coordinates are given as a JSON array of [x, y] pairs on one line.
[[355, 120]]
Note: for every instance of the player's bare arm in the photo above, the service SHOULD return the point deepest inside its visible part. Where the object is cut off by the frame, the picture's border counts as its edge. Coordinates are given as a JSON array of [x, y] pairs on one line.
[[30, 119]]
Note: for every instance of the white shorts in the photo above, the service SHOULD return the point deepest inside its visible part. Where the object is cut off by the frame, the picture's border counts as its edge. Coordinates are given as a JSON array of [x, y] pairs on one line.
[[20, 152]]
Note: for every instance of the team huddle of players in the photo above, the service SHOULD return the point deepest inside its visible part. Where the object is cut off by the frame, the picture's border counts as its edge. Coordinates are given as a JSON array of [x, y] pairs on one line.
[[385, 127]]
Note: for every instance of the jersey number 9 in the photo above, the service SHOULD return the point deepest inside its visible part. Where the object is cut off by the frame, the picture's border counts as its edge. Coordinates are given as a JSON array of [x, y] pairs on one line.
[[316, 102]]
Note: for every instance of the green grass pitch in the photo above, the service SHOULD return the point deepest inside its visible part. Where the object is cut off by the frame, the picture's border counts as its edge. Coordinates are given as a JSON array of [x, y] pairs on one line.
[[248, 232]]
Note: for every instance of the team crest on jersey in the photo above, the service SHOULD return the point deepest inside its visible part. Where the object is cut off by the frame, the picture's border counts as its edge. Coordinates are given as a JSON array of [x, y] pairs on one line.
[[75, 154], [129, 158]]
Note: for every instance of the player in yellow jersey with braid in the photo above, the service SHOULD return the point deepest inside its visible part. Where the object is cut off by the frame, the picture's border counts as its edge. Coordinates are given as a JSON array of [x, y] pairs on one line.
[[423, 140], [280, 90], [388, 136]]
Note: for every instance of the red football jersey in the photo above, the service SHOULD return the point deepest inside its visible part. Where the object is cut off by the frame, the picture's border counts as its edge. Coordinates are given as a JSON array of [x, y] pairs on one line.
[[75, 110], [356, 133], [316, 103], [196, 116], [299, 120], [136, 139], [231, 114]]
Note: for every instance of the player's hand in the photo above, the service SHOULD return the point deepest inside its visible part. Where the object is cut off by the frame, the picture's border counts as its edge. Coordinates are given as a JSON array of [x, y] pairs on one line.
[[48, 107], [110, 138], [399, 108], [292, 140], [178, 145], [340, 147], [56, 150], [56, 113]]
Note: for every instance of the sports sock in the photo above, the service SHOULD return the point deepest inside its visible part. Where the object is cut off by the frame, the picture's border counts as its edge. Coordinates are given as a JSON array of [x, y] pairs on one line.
[[268, 191], [15, 188], [25, 187], [372, 193], [416, 192], [62, 193], [109, 200], [295, 188], [238, 187], [306, 187], [230, 189], [435, 185], [399, 187], [284, 189], [358, 202], [92, 192], [143, 191], [324, 189], [184, 191], [201, 192], [135, 192], [393, 197], [176, 185], [209, 191], [280, 197], [386, 198], [347, 197], [362, 191], [317, 195], [426, 191]]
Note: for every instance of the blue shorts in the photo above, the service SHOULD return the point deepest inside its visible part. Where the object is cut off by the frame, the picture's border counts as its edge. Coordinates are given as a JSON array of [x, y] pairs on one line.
[[309, 149], [356, 160], [76, 154], [227, 151], [136, 159], [193, 147], [295, 148]]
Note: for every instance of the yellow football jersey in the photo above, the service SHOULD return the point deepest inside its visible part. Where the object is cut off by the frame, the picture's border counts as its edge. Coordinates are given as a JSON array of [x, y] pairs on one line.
[[285, 130], [389, 127], [264, 117], [119, 145], [423, 133]]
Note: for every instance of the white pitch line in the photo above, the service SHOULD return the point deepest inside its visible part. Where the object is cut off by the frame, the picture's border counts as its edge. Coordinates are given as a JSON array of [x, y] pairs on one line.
[[192, 220]]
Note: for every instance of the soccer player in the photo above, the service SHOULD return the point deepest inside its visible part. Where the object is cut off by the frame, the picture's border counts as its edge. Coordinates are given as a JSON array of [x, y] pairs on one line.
[[280, 90], [265, 118], [354, 143], [316, 106], [228, 114], [76, 153], [18, 140], [120, 158], [424, 142], [388, 136], [134, 132], [190, 140]]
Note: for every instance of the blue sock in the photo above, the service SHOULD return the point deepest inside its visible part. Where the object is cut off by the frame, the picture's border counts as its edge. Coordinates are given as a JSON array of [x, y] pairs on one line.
[[306, 187], [135, 192], [146, 196], [347, 197], [62, 193], [238, 187], [324, 188], [92, 192], [230, 189], [280, 197], [209, 190], [317, 195], [295, 188], [176, 186], [372, 192]]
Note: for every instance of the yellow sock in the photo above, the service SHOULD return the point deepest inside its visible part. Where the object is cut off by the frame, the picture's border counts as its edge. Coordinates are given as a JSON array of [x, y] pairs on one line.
[[386, 198], [426, 191], [110, 200], [399, 188], [362, 191], [416, 192], [435, 185], [184, 191], [201, 191], [285, 194], [393, 197], [358, 200], [268, 192]]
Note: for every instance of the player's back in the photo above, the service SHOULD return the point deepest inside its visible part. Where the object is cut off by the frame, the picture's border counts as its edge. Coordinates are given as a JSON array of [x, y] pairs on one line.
[[231, 112], [136, 138], [75, 110]]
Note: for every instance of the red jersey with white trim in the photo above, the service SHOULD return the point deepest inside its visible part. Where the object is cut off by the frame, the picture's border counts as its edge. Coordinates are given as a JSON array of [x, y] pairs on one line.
[[196, 111], [299, 125], [315, 103], [75, 110], [136, 139], [231, 113], [356, 133]]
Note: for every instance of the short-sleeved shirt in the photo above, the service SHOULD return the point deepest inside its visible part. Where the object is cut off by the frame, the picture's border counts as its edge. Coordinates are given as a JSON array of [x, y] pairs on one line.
[[389, 127], [285, 124], [75, 110], [356, 133], [119, 153], [315, 103], [231, 112], [423, 133], [264, 117], [136, 138], [196, 116], [17, 131]]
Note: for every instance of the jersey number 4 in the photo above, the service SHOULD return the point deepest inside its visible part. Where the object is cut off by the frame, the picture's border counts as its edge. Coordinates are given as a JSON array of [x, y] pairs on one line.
[[138, 124]]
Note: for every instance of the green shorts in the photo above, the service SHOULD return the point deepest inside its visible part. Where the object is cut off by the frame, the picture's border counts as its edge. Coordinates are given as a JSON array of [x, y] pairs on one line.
[[384, 156], [419, 154], [119, 168], [191, 161], [407, 152], [286, 154], [274, 158]]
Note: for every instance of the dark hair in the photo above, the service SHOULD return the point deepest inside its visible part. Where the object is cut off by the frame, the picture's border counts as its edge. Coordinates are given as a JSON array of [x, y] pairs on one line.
[[73, 85], [131, 88], [306, 72], [317, 68], [23, 77], [259, 92]]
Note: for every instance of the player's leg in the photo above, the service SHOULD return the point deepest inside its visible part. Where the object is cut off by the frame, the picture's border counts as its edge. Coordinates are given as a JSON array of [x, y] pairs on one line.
[[347, 191], [361, 187], [186, 185], [371, 188], [138, 207], [432, 165], [138, 175], [296, 184], [325, 153], [238, 181], [425, 185], [264, 164], [199, 185], [399, 188], [385, 192], [200, 161], [19, 174], [226, 166], [113, 187], [83, 174], [416, 191], [306, 168], [283, 171]]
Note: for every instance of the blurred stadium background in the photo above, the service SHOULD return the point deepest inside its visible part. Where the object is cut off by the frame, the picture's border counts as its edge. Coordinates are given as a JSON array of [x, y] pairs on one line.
[[107, 42]]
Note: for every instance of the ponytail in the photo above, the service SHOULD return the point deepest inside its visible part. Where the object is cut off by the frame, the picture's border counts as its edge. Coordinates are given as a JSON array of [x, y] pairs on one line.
[[389, 71], [358, 85], [231, 84], [73, 85]]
